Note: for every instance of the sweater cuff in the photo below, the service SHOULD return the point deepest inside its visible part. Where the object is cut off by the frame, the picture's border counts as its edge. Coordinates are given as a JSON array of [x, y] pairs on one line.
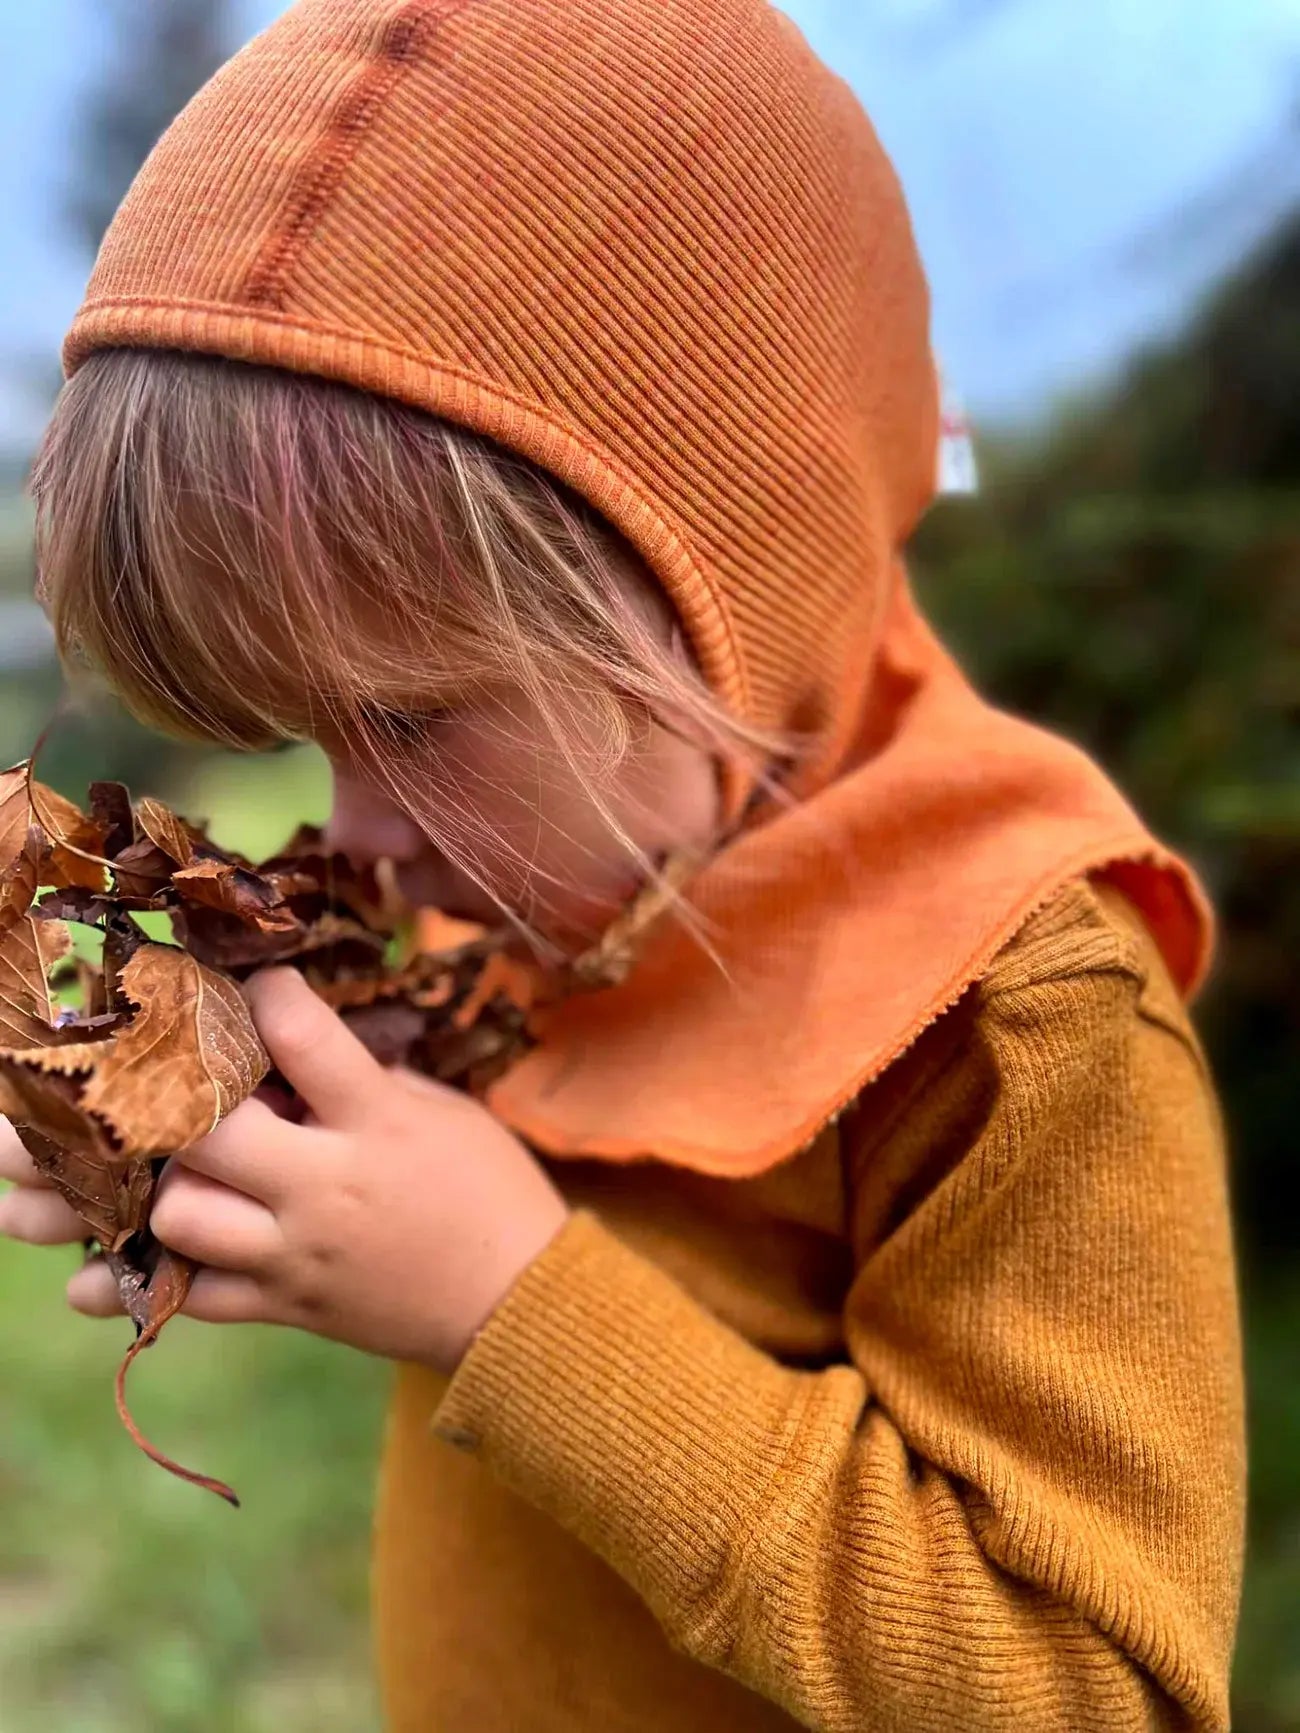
[[607, 1397]]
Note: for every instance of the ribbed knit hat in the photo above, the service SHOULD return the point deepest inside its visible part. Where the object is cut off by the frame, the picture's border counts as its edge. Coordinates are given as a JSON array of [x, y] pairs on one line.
[[649, 244], [654, 246]]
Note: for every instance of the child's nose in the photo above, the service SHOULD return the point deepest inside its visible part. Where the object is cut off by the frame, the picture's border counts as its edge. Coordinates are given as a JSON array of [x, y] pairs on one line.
[[366, 825]]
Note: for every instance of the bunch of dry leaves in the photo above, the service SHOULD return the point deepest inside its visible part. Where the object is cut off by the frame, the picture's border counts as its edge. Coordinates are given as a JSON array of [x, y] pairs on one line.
[[108, 1066]]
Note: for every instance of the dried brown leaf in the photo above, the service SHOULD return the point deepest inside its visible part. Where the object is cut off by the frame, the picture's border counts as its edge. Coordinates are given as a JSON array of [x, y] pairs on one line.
[[142, 870], [15, 813], [335, 943], [19, 878], [91, 987], [112, 1198], [186, 1058], [389, 1029], [41, 1086], [180, 841], [314, 878], [18, 816], [122, 939], [125, 1090], [110, 807], [427, 983], [171, 855], [29, 948], [235, 891], [74, 843], [91, 908]]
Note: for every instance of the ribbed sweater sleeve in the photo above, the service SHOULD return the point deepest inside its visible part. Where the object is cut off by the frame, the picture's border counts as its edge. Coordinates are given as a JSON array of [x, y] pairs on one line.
[[1018, 1503]]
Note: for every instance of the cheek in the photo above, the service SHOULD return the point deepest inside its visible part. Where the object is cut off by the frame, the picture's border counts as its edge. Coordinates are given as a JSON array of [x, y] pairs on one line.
[[532, 801], [536, 805]]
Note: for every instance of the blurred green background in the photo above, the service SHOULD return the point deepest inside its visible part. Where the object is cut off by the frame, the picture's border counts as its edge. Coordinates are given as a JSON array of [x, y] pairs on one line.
[[1130, 574]]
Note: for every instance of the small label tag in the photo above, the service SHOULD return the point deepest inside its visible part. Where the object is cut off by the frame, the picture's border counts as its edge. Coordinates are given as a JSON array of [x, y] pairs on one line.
[[958, 470]]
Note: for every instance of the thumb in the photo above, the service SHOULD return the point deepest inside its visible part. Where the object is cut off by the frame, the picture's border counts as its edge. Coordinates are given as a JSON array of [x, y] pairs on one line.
[[314, 1050]]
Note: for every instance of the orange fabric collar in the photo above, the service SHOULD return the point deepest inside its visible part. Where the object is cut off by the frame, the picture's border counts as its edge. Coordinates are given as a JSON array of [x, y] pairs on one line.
[[841, 929]]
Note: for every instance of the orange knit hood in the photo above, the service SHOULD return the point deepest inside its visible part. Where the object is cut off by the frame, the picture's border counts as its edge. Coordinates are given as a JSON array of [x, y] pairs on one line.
[[654, 246]]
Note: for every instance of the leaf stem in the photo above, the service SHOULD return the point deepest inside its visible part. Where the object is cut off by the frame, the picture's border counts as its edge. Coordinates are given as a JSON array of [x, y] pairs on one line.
[[144, 1340]]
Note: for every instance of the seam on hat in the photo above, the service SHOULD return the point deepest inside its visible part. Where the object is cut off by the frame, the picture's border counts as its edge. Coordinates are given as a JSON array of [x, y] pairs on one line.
[[399, 43]]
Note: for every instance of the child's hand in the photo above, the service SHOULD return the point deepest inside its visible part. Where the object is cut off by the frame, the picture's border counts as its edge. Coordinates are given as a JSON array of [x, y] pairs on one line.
[[34, 1211], [395, 1219]]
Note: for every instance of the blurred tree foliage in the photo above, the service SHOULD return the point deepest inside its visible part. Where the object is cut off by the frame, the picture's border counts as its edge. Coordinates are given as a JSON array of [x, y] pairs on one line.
[[166, 52], [1136, 585]]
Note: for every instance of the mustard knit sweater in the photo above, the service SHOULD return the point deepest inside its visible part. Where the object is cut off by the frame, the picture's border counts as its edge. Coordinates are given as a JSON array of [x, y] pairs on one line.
[[936, 1426]]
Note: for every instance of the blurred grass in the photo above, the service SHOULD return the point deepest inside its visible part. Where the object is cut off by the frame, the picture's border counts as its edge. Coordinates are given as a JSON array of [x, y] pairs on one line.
[[129, 1601]]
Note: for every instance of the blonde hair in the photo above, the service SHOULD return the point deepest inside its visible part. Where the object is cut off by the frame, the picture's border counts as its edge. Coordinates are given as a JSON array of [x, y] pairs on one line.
[[212, 537]]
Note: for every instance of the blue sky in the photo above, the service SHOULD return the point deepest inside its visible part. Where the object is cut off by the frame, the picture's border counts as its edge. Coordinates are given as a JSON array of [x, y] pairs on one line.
[[1078, 170]]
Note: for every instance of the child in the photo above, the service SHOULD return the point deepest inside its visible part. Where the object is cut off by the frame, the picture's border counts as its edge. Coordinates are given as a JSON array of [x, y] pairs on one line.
[[832, 1324]]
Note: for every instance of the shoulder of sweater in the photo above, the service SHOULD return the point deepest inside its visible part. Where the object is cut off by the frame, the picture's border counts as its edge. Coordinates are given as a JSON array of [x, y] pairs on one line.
[[1088, 943], [1086, 928], [1082, 961], [1076, 984]]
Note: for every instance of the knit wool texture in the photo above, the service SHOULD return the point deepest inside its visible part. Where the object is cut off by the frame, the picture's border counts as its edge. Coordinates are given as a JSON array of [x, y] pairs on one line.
[[558, 224], [934, 1428], [655, 247]]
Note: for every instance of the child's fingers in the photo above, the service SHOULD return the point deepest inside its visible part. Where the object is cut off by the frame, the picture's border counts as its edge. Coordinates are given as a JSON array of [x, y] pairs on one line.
[[217, 1297], [255, 1151], [15, 1163], [422, 1085], [282, 1102], [212, 1224], [93, 1291], [40, 1218], [222, 1297], [313, 1048]]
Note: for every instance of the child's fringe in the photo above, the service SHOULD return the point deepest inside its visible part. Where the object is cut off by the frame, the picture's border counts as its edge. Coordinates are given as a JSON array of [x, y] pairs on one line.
[[214, 538]]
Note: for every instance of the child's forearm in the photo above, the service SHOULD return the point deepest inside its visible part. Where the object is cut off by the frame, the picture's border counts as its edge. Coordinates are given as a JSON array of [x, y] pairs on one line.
[[1020, 1506], [776, 1522]]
